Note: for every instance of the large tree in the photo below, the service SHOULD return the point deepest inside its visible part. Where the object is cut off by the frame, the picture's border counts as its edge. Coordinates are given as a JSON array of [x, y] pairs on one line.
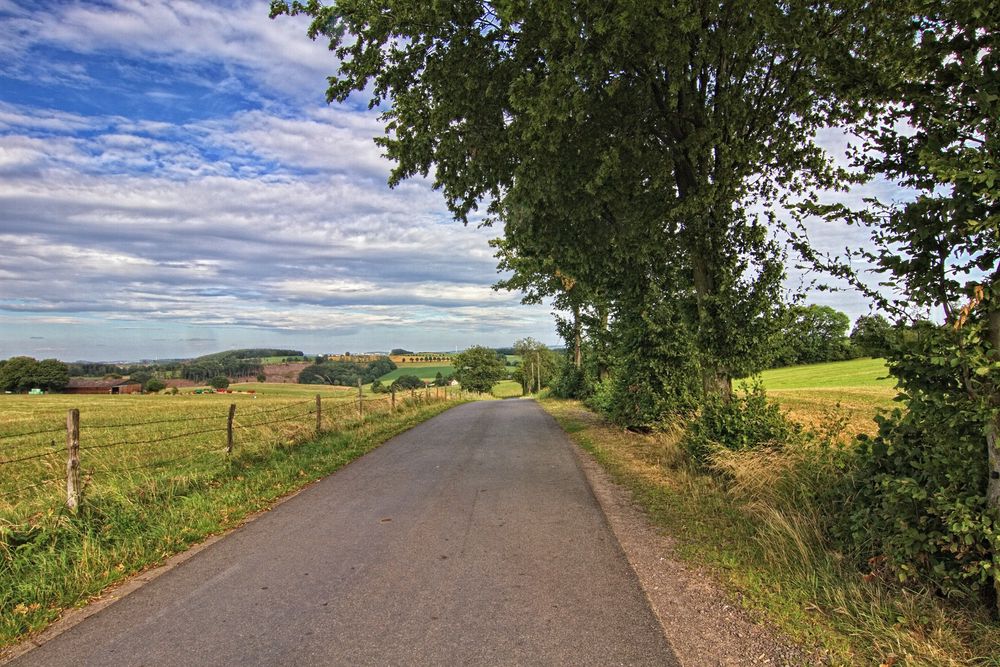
[[479, 368], [610, 139]]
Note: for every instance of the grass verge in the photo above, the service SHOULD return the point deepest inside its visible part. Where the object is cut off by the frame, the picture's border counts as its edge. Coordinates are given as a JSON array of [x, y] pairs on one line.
[[55, 560], [754, 525]]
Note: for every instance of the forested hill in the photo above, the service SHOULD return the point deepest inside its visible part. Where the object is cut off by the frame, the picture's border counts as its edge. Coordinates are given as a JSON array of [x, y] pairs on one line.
[[232, 363]]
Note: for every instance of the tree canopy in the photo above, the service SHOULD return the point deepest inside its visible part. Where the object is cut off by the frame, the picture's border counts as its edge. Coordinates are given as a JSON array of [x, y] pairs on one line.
[[479, 368]]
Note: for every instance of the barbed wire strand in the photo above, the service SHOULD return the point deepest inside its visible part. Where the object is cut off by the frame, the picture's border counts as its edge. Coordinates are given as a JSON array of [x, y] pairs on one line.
[[172, 420], [165, 438], [31, 486], [28, 458], [152, 464], [273, 421], [7, 436]]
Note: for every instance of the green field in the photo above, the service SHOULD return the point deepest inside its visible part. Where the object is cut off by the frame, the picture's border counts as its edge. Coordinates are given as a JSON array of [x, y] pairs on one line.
[[425, 370], [507, 389], [818, 395], [853, 373]]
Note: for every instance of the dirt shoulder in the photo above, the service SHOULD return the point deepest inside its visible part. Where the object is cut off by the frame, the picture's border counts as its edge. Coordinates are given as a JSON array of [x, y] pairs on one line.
[[704, 624]]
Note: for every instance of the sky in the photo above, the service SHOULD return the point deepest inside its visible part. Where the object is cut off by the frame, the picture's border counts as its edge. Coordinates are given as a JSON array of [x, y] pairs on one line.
[[173, 183]]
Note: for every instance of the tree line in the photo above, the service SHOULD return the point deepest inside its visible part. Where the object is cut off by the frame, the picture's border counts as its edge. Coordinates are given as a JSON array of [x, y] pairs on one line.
[[652, 167]]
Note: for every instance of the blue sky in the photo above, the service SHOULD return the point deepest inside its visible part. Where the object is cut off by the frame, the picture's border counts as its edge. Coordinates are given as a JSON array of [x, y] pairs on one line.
[[172, 182]]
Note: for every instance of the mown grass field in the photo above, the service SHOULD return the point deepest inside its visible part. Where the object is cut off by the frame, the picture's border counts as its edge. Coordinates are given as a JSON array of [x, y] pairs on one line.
[[820, 395], [157, 479]]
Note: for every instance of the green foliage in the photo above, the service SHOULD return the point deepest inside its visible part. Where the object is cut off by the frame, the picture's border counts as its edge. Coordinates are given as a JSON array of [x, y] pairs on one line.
[[219, 382], [571, 382], [872, 335], [346, 373], [812, 334], [261, 377], [399, 351], [404, 382], [19, 374], [656, 375], [379, 388], [479, 368], [154, 385], [748, 421], [922, 488]]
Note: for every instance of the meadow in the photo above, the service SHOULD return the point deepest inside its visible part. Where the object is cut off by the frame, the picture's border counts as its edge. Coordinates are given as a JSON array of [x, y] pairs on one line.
[[157, 478], [850, 393], [425, 370]]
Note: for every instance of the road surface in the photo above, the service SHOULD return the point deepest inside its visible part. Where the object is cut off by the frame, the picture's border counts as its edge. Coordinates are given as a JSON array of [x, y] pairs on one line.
[[471, 539]]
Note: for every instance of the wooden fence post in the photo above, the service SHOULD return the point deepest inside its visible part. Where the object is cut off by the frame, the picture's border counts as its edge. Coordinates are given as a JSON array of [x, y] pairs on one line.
[[361, 404], [319, 414], [427, 392], [392, 403], [229, 428], [73, 490]]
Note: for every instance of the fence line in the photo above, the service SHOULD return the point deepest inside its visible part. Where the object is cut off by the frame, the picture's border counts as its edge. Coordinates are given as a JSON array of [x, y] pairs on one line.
[[334, 415]]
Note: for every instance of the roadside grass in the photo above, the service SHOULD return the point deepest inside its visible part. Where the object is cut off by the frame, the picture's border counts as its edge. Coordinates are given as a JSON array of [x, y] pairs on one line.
[[507, 389], [133, 517], [751, 522]]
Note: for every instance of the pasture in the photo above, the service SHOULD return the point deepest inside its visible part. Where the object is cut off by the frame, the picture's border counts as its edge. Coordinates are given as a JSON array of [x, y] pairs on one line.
[[506, 389], [157, 478], [425, 370], [126, 440]]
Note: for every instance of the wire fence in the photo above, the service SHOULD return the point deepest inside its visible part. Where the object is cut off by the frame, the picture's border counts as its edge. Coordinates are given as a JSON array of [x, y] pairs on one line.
[[42, 465]]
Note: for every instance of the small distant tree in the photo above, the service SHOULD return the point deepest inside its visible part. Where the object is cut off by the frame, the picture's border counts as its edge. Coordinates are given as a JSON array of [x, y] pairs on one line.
[[406, 382], [154, 385], [479, 368], [378, 387], [871, 335], [219, 382], [261, 377]]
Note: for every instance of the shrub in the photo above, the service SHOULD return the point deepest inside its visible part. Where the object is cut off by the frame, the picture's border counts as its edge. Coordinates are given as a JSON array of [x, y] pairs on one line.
[[261, 377], [747, 421], [219, 382], [570, 383], [154, 385], [406, 382]]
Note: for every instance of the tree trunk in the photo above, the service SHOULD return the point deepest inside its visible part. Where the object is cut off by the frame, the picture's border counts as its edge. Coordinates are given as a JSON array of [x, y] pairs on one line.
[[715, 379], [993, 441], [577, 352]]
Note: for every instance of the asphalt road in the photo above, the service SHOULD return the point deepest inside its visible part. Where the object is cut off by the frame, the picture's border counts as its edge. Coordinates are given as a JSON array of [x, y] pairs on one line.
[[471, 539]]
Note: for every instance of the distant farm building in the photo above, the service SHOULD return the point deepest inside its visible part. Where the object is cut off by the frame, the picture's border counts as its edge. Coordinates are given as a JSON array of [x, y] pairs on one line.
[[89, 386]]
